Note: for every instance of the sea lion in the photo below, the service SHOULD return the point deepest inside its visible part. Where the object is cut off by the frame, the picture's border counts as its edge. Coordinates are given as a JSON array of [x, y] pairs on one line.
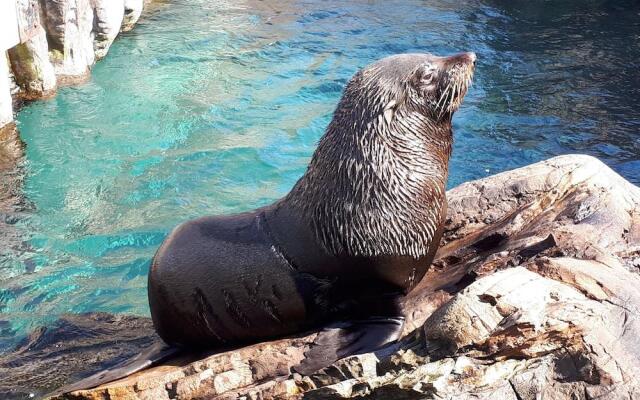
[[356, 233]]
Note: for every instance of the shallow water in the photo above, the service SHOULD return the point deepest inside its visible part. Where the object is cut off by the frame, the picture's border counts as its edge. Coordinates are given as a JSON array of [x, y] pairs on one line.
[[215, 107]]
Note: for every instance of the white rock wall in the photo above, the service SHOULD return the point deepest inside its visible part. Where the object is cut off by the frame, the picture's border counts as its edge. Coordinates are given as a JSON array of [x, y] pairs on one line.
[[132, 11], [69, 26], [9, 36], [30, 63], [44, 43], [108, 21], [6, 110]]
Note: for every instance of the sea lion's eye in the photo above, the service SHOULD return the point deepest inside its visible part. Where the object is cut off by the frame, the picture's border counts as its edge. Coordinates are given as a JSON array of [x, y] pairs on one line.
[[427, 77]]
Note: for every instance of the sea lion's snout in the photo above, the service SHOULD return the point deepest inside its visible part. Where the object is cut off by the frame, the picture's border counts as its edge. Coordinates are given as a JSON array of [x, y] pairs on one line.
[[432, 85], [455, 81], [463, 58]]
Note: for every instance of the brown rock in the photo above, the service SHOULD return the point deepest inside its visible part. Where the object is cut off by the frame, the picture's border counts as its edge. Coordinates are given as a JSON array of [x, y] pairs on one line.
[[534, 295]]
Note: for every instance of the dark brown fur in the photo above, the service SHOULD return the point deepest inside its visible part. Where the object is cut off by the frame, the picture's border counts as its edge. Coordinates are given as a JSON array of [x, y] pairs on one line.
[[376, 183], [356, 233], [364, 220]]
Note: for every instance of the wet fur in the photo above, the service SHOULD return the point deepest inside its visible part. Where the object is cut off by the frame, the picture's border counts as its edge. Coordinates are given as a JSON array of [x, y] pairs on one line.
[[382, 164], [356, 233]]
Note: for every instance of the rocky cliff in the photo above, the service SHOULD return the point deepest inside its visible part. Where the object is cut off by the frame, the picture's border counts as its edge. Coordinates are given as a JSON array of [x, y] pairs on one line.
[[539, 273], [54, 42]]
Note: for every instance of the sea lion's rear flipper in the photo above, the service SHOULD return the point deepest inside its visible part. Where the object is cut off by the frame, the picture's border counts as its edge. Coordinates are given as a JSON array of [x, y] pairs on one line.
[[156, 353], [349, 338]]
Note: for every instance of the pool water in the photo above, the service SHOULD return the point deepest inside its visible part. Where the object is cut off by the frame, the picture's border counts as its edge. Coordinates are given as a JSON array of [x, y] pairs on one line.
[[212, 107]]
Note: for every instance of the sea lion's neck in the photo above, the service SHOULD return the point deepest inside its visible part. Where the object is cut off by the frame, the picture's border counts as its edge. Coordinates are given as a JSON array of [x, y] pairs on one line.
[[377, 187]]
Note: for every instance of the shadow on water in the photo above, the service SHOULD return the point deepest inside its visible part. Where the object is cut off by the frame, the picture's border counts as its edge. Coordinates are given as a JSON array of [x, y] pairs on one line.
[[14, 245], [12, 200], [72, 347], [568, 71]]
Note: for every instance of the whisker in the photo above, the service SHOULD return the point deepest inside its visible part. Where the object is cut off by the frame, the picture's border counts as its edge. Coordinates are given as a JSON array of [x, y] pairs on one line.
[[459, 83]]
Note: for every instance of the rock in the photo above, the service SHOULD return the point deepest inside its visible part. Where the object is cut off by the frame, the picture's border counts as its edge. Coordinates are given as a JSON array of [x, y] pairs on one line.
[[30, 63], [132, 12], [108, 16], [69, 26], [56, 42], [11, 153], [9, 24], [28, 14], [12, 201], [533, 295], [6, 102]]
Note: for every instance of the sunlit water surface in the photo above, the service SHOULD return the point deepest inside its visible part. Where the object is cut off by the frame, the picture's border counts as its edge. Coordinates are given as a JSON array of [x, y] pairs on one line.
[[212, 107]]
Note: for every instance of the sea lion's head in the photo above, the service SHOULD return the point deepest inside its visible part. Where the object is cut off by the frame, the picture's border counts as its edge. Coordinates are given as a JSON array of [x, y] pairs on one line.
[[376, 184], [439, 84], [429, 85]]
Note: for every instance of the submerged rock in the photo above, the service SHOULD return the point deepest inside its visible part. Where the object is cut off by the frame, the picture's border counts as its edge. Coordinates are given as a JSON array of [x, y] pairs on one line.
[[540, 267], [12, 201]]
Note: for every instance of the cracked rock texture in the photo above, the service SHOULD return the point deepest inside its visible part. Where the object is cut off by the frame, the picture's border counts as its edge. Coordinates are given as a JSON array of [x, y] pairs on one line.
[[132, 11], [108, 16], [60, 40], [33, 71], [69, 25], [536, 297], [6, 106]]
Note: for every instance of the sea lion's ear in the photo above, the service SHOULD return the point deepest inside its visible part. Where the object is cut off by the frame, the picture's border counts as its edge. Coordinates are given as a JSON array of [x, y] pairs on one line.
[[390, 110]]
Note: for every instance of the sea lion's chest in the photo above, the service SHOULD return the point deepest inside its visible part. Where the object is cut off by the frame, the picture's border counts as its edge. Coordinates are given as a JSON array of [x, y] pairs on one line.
[[344, 273]]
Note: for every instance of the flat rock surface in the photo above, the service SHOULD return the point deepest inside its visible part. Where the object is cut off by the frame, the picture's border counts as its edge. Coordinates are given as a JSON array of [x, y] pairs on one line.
[[534, 293]]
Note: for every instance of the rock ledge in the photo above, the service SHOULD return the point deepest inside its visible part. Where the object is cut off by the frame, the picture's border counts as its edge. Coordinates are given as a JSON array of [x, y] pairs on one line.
[[538, 299]]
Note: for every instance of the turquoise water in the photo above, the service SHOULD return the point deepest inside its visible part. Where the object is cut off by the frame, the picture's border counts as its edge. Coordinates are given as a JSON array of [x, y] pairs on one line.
[[214, 107]]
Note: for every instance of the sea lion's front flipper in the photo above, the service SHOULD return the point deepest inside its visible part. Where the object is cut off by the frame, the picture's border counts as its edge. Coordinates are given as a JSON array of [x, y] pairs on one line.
[[349, 338], [156, 353]]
